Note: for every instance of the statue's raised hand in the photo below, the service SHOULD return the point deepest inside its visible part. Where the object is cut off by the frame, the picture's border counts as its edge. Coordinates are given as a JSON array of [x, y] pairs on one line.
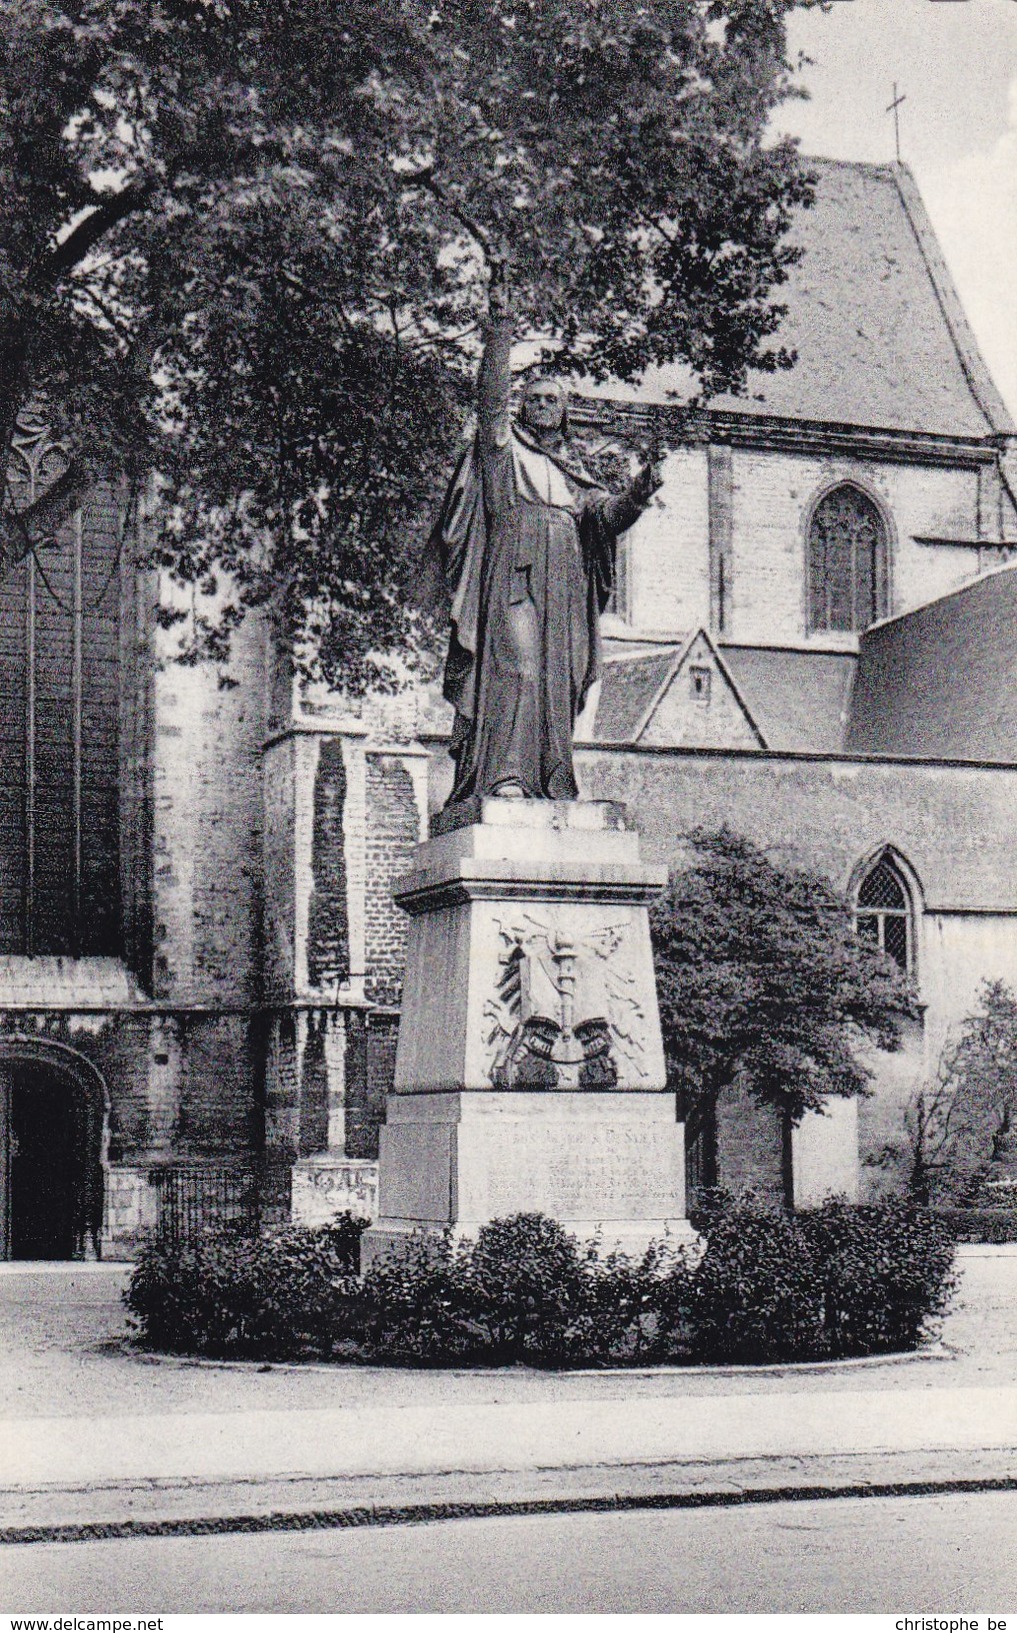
[[650, 476]]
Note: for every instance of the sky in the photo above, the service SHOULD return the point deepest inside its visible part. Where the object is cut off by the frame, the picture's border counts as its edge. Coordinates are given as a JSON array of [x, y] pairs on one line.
[[955, 61]]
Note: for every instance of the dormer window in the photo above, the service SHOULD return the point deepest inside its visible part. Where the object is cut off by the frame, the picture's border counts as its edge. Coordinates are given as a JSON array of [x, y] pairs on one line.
[[699, 684]]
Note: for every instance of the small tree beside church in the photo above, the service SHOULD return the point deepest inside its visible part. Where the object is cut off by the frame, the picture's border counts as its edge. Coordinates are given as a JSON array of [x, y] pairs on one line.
[[765, 986], [960, 1130]]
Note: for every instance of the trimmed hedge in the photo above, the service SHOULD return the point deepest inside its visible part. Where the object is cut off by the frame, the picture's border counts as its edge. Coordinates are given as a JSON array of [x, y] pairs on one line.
[[995, 1225], [765, 1286], [887, 1273], [286, 1292]]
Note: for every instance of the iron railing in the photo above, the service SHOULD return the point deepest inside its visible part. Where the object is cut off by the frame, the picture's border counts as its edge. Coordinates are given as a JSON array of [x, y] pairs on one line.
[[190, 1200]]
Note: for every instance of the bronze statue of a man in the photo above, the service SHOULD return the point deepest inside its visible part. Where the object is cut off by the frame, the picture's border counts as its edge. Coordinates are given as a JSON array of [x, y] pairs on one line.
[[526, 541]]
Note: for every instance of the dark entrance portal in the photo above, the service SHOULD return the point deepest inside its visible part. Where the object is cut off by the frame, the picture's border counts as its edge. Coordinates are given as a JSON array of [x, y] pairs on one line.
[[43, 1162]]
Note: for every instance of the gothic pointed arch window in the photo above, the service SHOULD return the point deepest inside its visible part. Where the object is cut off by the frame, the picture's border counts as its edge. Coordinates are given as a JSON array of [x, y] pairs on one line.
[[884, 913], [60, 710], [848, 572]]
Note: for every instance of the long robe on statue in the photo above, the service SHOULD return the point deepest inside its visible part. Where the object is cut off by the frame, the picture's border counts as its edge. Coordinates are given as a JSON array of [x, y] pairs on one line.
[[526, 543]]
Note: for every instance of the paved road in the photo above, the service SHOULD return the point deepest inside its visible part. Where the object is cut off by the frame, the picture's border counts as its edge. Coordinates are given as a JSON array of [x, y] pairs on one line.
[[919, 1555]]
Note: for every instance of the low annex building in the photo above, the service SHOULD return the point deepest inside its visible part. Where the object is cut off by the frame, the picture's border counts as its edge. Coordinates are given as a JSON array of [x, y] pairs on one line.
[[813, 639]]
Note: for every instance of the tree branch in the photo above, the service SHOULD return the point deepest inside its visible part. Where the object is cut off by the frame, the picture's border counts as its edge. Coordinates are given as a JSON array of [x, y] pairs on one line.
[[480, 235], [116, 323], [106, 215], [61, 496]]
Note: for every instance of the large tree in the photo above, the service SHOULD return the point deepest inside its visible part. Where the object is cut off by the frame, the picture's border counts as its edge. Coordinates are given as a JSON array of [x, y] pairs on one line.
[[765, 985], [247, 245]]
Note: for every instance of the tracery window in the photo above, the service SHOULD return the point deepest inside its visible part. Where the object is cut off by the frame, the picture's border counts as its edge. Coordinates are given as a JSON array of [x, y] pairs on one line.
[[883, 914], [59, 716], [847, 562]]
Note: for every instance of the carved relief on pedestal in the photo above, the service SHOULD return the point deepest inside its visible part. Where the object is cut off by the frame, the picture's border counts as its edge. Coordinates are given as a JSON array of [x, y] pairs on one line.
[[566, 1012]]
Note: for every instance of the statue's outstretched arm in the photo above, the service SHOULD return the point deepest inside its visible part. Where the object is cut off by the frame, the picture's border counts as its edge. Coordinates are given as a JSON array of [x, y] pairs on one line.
[[494, 385], [494, 419], [623, 509]]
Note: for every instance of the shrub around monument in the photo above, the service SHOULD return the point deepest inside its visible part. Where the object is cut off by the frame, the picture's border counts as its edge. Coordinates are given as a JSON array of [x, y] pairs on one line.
[[887, 1274], [416, 1304], [524, 1291], [284, 1293], [531, 1288], [757, 1291], [991, 1225], [767, 1286]]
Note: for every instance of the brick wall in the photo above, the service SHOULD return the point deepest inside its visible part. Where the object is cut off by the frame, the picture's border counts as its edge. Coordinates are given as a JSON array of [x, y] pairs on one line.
[[393, 831], [313, 1133], [219, 1067], [278, 885], [282, 1086], [207, 829], [328, 937], [179, 1085], [137, 689], [366, 1094]]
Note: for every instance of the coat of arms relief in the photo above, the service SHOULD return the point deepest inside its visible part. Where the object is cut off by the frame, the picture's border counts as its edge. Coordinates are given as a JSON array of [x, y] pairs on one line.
[[566, 1012]]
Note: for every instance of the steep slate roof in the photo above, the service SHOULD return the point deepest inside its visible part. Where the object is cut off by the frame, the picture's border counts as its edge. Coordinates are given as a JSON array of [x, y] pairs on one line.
[[799, 700], [881, 338], [628, 687], [941, 682]]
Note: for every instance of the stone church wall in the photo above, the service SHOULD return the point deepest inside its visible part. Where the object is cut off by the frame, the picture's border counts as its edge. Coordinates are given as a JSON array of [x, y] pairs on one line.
[[183, 1060], [773, 498], [207, 829], [769, 503], [669, 573], [343, 816], [952, 826]]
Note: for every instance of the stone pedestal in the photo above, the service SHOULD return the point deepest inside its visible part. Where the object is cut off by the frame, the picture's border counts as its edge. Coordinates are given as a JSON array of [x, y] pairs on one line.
[[330, 1183], [530, 1069]]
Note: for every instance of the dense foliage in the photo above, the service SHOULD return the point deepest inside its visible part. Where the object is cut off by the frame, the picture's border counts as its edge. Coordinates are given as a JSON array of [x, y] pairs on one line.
[[765, 1287], [884, 1271], [247, 244], [762, 980], [995, 1225], [282, 1292]]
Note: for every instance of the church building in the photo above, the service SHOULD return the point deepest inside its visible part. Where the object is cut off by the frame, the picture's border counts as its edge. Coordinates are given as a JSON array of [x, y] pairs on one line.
[[812, 639]]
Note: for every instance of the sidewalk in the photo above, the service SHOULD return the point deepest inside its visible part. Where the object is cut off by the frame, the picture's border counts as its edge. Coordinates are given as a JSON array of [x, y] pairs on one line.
[[248, 1447]]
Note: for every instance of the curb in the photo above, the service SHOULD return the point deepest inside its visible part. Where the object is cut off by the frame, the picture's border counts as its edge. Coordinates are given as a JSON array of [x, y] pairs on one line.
[[935, 1351], [152, 1508], [342, 1519]]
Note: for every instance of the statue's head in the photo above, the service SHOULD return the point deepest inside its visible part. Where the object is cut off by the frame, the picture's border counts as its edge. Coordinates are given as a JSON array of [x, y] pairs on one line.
[[545, 406]]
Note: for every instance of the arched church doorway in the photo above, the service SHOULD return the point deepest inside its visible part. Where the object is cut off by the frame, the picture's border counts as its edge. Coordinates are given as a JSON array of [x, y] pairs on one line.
[[52, 1117]]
